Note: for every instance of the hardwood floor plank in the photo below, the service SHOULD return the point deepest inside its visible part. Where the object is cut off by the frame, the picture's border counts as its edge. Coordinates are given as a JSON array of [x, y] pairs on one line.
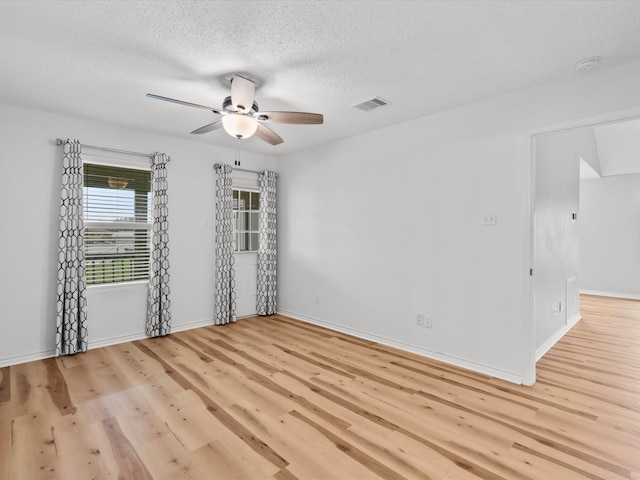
[[212, 407], [233, 459], [569, 465], [5, 384], [82, 448], [129, 463], [358, 455], [299, 438], [57, 387], [33, 447], [456, 459], [285, 474]]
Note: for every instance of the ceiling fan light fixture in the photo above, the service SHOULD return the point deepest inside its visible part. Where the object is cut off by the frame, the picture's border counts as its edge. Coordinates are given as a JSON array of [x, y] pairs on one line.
[[239, 126]]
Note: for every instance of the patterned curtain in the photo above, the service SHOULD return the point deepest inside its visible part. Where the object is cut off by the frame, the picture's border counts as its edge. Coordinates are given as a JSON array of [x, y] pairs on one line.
[[158, 303], [266, 299], [71, 305], [225, 275]]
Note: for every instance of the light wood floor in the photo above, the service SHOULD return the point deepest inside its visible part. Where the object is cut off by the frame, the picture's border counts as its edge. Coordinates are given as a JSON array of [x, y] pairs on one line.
[[279, 399]]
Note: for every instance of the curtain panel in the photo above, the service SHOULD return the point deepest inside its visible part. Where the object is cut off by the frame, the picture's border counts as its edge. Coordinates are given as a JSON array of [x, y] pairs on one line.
[[71, 304], [158, 303], [267, 253], [225, 295]]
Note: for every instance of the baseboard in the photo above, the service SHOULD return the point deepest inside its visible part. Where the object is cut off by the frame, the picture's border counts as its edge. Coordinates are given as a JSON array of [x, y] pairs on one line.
[[105, 342], [629, 296], [546, 346], [29, 357], [458, 362], [142, 335]]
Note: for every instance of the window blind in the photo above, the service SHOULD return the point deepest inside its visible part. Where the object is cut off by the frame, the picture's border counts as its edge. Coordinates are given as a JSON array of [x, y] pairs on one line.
[[117, 221]]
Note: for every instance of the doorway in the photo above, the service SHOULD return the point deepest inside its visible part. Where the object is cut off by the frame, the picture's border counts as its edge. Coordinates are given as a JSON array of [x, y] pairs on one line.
[[552, 239]]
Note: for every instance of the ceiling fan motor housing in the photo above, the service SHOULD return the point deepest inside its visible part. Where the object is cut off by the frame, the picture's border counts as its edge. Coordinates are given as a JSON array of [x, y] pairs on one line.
[[228, 106]]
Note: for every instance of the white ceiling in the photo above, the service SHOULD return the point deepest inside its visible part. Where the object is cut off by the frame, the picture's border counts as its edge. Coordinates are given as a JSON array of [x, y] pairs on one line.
[[97, 60]]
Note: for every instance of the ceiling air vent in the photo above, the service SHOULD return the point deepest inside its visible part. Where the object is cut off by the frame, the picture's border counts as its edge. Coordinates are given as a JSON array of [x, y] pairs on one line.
[[371, 104]]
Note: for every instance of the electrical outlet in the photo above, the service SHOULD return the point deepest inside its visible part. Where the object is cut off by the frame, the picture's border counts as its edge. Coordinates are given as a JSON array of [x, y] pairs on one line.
[[423, 320], [489, 218], [317, 299]]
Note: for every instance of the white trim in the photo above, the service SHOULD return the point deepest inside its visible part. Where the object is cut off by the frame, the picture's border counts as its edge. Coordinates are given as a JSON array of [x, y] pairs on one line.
[[118, 285], [528, 366], [555, 338], [628, 296], [191, 325], [119, 162], [105, 342], [407, 347], [30, 357], [589, 121]]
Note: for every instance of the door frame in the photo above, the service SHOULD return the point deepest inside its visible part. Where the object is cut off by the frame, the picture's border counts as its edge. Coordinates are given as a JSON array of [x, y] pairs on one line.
[[529, 352]]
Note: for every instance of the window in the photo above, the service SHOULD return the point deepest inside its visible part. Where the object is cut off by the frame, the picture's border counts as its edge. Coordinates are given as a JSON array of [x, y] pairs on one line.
[[246, 205], [117, 220]]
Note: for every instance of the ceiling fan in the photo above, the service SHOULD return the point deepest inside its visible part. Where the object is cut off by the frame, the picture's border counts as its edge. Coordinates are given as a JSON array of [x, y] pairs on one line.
[[240, 115]]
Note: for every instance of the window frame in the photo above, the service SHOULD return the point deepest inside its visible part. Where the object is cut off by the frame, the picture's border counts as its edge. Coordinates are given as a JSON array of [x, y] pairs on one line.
[[248, 231], [146, 227]]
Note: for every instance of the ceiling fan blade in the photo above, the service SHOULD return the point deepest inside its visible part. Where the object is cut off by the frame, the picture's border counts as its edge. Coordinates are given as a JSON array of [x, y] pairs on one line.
[[180, 102], [243, 93], [300, 118], [268, 135], [209, 128]]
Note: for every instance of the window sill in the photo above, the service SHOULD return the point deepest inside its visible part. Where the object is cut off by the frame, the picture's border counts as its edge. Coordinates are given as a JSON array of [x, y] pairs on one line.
[[119, 285]]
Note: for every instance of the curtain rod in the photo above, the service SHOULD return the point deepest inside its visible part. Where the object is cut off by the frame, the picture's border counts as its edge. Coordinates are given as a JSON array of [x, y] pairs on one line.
[[218, 165], [59, 141]]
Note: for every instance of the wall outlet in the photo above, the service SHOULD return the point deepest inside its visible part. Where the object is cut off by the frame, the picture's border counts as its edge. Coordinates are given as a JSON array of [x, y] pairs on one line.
[[423, 320], [317, 299], [489, 218]]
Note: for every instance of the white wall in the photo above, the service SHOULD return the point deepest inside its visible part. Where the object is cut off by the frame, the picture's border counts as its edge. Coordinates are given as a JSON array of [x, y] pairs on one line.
[[557, 175], [610, 235], [376, 228], [29, 202]]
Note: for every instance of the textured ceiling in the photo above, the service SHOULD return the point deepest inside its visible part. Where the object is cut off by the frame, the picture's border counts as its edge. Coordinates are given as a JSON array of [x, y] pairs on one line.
[[97, 60]]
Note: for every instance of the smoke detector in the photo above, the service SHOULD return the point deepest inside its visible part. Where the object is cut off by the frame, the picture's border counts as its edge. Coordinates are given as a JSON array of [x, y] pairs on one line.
[[588, 64]]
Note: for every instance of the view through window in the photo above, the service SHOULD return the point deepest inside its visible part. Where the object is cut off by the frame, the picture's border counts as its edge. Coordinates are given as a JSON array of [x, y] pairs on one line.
[[246, 206], [117, 220]]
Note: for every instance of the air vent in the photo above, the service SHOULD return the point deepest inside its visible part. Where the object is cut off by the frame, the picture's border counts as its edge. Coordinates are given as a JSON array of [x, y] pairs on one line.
[[371, 104]]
